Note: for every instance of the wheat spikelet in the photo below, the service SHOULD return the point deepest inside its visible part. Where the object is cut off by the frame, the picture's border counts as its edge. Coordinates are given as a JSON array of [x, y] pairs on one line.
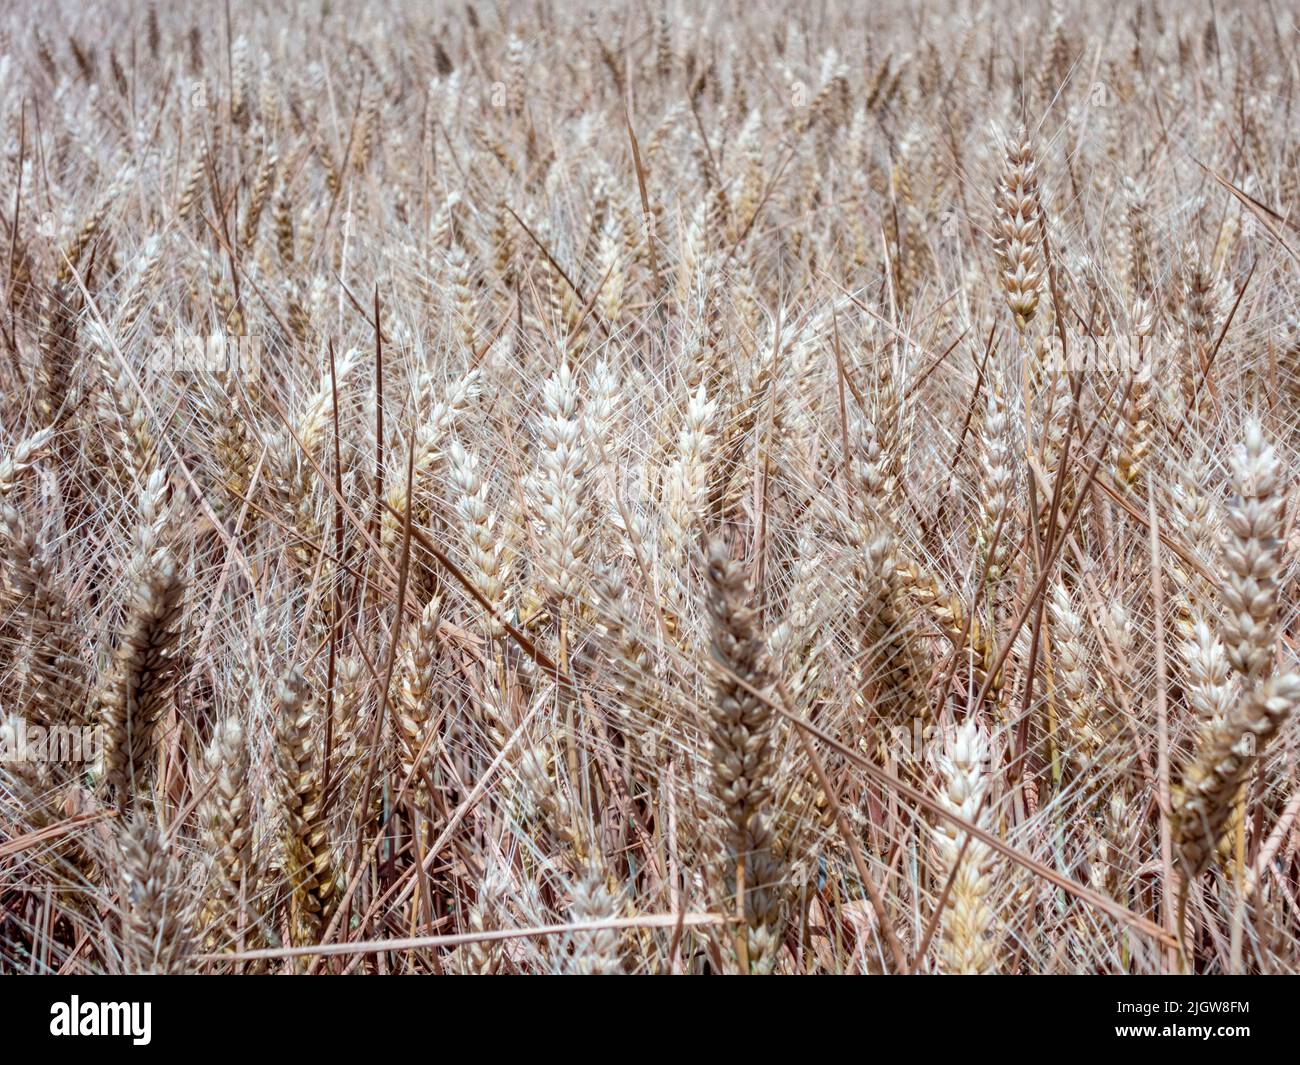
[[21, 458], [1209, 682], [258, 197], [481, 958], [612, 270], [641, 707], [462, 297], [352, 731], [282, 217], [188, 198], [551, 800], [893, 668], [232, 442], [1133, 456], [292, 456], [143, 284], [134, 695], [1138, 272], [1200, 324], [91, 227], [950, 615]]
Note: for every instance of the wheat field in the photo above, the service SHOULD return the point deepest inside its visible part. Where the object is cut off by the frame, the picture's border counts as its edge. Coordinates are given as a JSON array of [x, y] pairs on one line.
[[530, 488]]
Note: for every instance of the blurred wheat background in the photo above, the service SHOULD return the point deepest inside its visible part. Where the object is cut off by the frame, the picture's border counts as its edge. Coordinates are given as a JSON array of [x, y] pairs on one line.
[[523, 488]]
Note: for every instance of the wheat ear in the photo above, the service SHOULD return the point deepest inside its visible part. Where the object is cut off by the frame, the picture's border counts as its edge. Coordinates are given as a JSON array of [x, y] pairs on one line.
[[226, 818], [1230, 745], [133, 695], [1016, 229], [969, 944], [50, 676], [741, 732], [155, 921], [306, 834], [1227, 752], [1252, 555], [594, 953], [419, 669]]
